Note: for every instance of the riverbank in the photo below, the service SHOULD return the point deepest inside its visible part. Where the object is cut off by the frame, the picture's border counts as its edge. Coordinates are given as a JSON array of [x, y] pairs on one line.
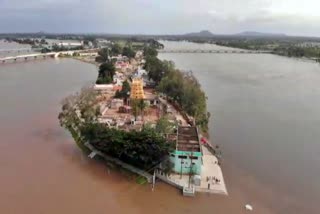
[[88, 60], [287, 50]]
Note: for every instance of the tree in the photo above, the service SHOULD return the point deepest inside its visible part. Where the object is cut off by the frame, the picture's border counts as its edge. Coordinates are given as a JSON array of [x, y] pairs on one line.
[[128, 52], [164, 126], [125, 91], [144, 149], [78, 109], [157, 69], [135, 108], [142, 106], [116, 49], [149, 51], [103, 55], [184, 89], [106, 73]]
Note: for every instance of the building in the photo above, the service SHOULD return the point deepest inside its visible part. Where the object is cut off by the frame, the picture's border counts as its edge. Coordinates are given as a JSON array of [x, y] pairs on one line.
[[137, 89], [116, 103], [88, 54], [187, 157], [122, 65], [70, 44]]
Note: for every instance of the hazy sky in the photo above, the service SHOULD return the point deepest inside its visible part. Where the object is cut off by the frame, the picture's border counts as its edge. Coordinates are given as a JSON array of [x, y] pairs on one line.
[[294, 17]]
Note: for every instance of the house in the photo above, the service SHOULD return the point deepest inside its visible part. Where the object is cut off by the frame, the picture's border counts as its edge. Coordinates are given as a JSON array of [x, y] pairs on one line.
[[122, 65], [187, 156]]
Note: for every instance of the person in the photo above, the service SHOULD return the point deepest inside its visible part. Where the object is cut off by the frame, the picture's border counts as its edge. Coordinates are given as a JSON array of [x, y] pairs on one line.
[[208, 185]]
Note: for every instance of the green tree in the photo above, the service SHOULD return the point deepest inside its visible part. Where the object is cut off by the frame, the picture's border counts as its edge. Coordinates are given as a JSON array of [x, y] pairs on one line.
[[106, 73], [125, 91], [150, 52], [164, 126], [142, 106], [116, 49], [77, 110], [128, 52], [143, 149], [157, 69], [135, 108], [184, 89], [103, 55]]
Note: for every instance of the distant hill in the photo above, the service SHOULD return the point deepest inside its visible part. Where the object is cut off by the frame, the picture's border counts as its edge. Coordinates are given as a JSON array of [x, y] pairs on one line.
[[203, 33], [260, 34]]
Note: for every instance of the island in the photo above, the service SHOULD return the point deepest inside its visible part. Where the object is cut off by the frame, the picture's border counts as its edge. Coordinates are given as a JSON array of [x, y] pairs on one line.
[[147, 117]]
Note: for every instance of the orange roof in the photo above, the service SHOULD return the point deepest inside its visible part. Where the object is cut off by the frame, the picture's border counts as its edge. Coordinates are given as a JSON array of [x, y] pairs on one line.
[[117, 88]]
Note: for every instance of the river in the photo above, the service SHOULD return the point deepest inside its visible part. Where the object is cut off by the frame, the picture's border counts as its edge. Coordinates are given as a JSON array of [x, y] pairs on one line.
[[265, 115]]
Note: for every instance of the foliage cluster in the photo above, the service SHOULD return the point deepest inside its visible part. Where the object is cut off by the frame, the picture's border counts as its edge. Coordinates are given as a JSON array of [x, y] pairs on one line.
[[143, 149], [182, 88], [106, 73], [125, 91]]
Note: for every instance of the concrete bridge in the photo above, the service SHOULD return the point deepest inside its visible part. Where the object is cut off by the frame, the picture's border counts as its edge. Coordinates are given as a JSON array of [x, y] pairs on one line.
[[43, 55], [213, 51]]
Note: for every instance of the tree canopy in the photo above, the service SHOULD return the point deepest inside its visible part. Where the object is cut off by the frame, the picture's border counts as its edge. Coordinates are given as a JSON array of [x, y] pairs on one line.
[[128, 52], [143, 149], [116, 49], [184, 89], [125, 91], [106, 73], [103, 55]]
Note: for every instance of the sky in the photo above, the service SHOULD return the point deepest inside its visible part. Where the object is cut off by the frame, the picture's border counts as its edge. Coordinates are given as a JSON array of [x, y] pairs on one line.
[[292, 17]]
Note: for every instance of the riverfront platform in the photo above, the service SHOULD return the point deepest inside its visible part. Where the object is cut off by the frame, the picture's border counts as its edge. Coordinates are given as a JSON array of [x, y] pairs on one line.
[[211, 171]]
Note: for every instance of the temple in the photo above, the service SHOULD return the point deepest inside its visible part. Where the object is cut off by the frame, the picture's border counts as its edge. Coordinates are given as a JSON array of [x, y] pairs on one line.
[[137, 89]]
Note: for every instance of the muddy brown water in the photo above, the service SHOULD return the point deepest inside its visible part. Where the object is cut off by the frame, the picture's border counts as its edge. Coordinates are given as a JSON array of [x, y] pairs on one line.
[[42, 170]]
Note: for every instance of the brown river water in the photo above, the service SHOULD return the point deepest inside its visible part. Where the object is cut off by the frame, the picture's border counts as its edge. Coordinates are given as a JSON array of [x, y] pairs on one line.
[[265, 116]]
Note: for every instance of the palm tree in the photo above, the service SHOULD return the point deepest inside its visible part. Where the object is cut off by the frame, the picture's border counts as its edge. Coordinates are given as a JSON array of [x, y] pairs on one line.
[[135, 107], [142, 106]]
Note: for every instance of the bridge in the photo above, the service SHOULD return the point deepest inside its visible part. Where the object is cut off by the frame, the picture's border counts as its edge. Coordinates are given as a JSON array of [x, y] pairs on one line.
[[213, 51], [43, 55]]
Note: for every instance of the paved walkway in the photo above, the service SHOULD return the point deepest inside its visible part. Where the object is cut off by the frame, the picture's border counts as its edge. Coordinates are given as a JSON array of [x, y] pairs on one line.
[[176, 113], [211, 170]]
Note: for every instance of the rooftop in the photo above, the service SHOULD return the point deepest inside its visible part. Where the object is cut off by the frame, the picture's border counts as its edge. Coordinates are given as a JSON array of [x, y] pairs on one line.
[[188, 139]]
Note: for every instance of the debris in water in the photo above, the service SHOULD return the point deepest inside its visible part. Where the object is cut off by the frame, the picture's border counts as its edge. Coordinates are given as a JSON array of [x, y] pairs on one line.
[[249, 207]]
